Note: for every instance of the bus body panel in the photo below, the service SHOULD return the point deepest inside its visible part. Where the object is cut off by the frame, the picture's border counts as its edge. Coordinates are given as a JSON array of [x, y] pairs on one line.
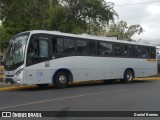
[[94, 69], [38, 76]]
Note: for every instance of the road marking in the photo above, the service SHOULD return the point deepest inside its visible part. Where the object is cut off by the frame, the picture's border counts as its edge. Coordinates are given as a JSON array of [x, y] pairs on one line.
[[62, 98]]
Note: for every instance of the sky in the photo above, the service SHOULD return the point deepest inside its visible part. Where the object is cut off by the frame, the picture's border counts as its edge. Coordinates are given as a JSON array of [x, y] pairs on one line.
[[143, 12]]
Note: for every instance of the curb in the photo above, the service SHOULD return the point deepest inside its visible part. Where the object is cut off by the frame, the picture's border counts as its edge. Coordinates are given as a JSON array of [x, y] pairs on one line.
[[5, 86], [148, 78]]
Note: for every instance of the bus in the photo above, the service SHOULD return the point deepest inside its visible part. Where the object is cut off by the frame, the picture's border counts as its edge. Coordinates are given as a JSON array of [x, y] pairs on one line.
[[42, 57]]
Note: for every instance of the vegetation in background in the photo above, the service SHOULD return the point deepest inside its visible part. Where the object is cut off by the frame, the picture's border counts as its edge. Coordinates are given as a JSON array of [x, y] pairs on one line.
[[71, 16], [124, 31]]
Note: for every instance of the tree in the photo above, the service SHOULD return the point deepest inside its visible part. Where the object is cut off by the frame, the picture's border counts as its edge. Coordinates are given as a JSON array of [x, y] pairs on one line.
[[23, 15], [124, 31], [4, 37], [74, 16], [83, 14], [71, 16]]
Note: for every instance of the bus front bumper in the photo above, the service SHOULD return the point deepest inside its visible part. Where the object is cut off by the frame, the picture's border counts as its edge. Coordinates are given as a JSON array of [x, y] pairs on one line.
[[12, 80]]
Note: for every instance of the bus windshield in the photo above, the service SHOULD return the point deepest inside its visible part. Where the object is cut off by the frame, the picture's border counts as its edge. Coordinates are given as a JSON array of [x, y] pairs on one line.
[[16, 50]]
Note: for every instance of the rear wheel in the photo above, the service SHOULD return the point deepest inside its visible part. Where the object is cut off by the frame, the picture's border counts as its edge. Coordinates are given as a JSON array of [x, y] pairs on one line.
[[61, 80], [128, 76]]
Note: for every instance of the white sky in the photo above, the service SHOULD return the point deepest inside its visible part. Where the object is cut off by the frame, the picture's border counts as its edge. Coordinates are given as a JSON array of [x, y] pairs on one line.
[[146, 14]]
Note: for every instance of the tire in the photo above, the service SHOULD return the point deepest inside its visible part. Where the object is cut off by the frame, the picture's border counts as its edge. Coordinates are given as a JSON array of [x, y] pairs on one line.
[[128, 76], [61, 80], [42, 86]]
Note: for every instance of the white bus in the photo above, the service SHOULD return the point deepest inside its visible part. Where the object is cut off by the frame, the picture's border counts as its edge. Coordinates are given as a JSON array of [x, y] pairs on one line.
[[44, 57]]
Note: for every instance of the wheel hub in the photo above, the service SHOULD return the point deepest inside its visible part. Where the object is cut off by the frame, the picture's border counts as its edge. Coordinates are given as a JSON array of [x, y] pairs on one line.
[[129, 76], [62, 79]]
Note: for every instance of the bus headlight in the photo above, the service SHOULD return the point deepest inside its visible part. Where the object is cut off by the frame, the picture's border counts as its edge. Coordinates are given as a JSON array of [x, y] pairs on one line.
[[18, 72]]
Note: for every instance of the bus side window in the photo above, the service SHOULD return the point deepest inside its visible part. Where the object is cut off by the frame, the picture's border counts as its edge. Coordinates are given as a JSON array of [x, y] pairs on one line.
[[91, 48], [33, 50], [145, 52], [117, 50], [38, 50], [60, 46], [137, 51], [105, 49], [131, 50], [69, 46], [81, 47], [54, 44], [86, 47], [43, 49], [124, 50], [152, 53]]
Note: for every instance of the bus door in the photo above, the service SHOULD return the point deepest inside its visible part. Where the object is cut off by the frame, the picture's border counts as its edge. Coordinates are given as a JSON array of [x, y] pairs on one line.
[[38, 56]]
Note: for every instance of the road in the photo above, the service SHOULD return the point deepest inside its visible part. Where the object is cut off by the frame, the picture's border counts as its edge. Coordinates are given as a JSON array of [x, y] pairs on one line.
[[137, 96]]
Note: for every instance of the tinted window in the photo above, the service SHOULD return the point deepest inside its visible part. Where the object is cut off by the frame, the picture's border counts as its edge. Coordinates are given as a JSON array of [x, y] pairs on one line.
[[131, 50], [152, 53], [38, 50], [134, 51], [117, 50], [105, 49], [81, 47], [124, 50], [91, 47], [54, 45], [69, 46], [60, 45], [120, 49], [43, 49], [145, 52], [137, 51], [86, 47]]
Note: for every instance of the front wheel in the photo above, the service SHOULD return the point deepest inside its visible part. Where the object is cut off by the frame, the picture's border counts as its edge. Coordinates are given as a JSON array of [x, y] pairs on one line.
[[61, 80], [128, 76]]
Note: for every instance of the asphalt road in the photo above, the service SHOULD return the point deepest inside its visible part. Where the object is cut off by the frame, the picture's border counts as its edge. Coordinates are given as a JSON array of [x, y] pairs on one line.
[[137, 96]]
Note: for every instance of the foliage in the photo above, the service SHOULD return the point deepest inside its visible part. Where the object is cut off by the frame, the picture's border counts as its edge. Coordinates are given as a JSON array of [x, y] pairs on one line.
[[22, 15], [124, 31], [77, 15], [72, 16], [3, 36]]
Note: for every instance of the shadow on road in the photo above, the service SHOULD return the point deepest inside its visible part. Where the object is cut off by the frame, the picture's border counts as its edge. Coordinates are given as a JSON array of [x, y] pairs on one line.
[[83, 84], [107, 83]]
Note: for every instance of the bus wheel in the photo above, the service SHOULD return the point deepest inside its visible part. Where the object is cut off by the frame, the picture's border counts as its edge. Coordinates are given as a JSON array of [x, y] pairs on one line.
[[61, 80], [42, 86], [128, 76]]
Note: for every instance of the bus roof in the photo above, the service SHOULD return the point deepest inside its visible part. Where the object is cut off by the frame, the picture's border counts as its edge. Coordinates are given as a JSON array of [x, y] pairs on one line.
[[85, 36]]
